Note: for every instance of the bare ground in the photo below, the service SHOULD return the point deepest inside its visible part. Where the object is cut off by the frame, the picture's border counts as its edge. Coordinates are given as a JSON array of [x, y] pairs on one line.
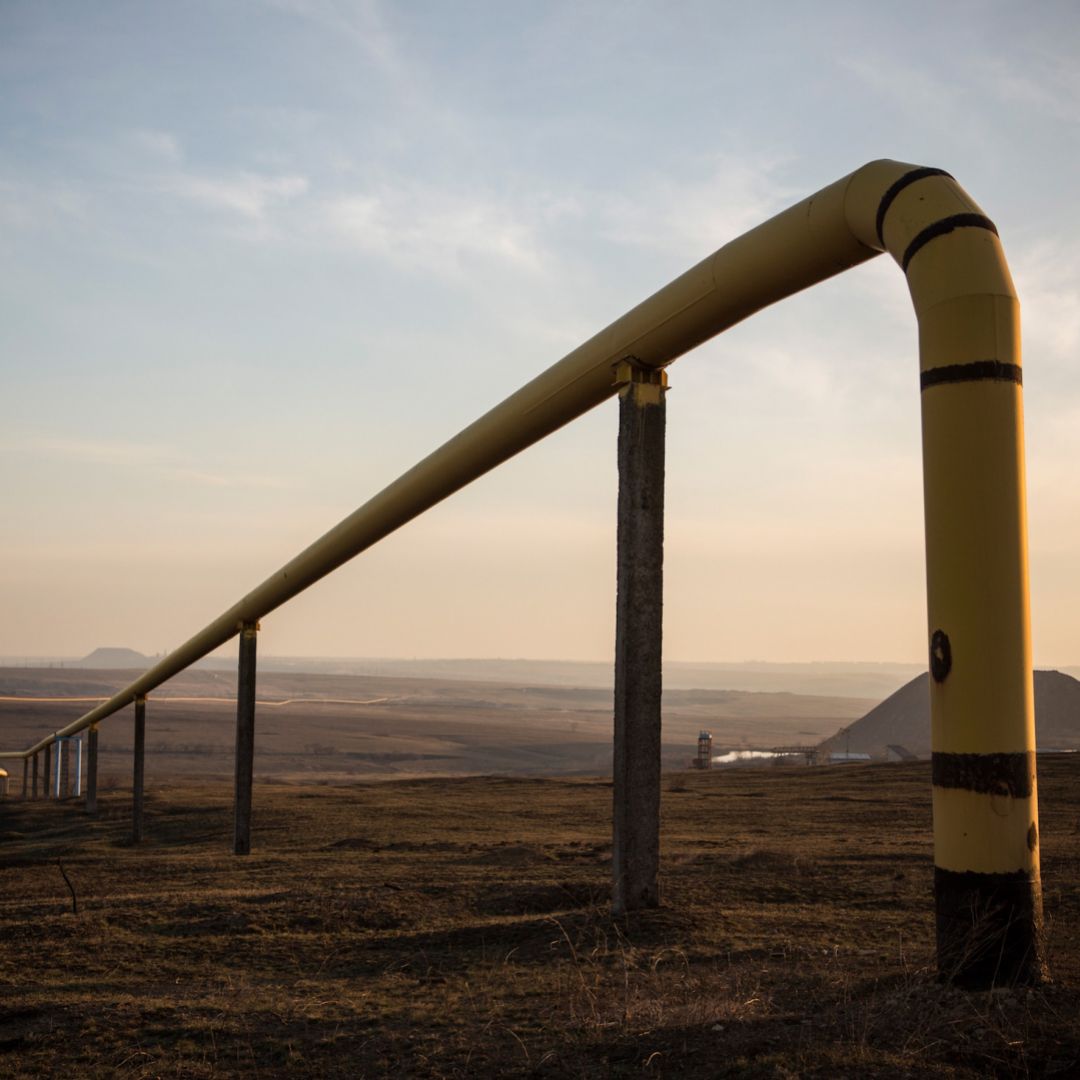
[[459, 928]]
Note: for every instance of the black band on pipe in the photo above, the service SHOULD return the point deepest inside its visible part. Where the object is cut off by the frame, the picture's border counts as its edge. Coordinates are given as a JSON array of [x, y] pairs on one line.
[[896, 188], [976, 371], [987, 774], [989, 928], [941, 228]]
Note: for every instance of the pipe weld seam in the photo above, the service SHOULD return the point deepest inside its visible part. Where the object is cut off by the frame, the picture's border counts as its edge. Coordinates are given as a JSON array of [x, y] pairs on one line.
[[943, 228], [974, 371], [896, 187], [986, 774]]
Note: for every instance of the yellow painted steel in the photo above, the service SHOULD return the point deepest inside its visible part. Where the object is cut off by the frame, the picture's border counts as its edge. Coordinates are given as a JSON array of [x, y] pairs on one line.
[[985, 833], [976, 548], [976, 567]]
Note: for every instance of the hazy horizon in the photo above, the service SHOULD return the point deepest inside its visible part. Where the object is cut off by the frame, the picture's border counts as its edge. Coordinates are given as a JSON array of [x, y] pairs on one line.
[[224, 653]]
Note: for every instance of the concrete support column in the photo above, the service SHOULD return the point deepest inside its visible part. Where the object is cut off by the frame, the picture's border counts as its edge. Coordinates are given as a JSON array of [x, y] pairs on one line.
[[63, 768], [245, 739], [91, 769], [47, 777], [34, 774], [138, 771], [638, 636]]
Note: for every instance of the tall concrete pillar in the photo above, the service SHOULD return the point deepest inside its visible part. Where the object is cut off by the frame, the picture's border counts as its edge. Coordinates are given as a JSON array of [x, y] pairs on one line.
[[638, 638], [91, 769], [63, 768], [138, 771], [245, 739]]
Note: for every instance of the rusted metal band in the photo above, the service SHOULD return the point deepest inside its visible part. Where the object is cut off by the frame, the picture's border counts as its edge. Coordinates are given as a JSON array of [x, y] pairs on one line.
[[906, 180], [943, 228], [975, 371], [989, 928], [988, 774]]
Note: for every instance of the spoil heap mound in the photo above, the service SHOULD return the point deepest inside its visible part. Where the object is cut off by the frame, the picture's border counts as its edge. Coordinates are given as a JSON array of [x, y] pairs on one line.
[[903, 719]]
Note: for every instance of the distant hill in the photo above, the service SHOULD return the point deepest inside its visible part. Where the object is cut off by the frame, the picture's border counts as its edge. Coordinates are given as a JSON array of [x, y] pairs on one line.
[[117, 659], [904, 719]]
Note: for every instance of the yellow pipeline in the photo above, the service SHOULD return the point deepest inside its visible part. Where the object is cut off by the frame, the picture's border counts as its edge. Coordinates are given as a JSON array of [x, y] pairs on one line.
[[805, 244], [976, 558], [985, 807]]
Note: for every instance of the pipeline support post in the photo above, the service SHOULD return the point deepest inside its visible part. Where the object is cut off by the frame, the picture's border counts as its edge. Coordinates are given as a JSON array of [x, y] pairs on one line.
[[63, 768], [638, 637], [91, 768], [245, 738], [46, 780], [25, 778], [34, 777], [138, 772]]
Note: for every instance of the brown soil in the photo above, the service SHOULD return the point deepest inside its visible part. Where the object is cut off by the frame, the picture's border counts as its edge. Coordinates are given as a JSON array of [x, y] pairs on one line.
[[459, 928]]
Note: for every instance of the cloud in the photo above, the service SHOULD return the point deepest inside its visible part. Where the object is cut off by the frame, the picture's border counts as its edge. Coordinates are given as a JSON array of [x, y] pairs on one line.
[[690, 219], [248, 195], [921, 97], [1053, 92], [417, 227], [159, 144], [420, 227], [26, 206], [360, 21], [1045, 275]]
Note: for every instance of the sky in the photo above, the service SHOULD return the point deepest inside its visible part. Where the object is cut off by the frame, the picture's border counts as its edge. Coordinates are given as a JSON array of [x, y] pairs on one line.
[[258, 257]]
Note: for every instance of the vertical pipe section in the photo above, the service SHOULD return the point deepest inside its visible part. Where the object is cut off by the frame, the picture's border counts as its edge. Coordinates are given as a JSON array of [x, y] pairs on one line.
[[91, 769], [638, 638], [138, 771], [245, 738], [986, 876], [986, 838]]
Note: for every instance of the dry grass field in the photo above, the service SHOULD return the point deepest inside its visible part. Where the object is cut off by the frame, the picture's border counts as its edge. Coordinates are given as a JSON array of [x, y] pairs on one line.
[[459, 928]]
